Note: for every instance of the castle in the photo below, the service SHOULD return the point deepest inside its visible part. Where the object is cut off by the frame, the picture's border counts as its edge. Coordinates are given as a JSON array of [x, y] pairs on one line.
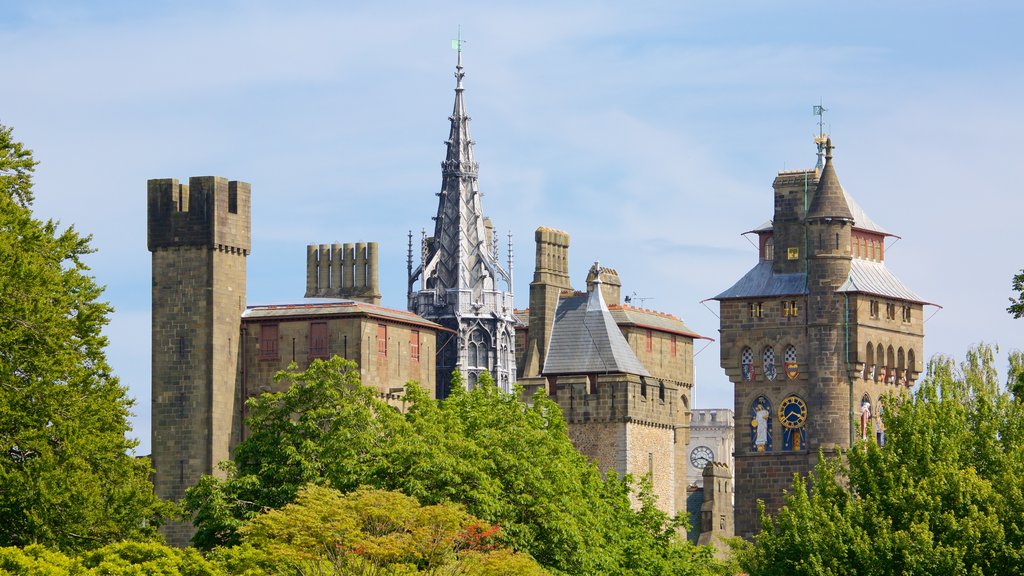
[[812, 336], [623, 376]]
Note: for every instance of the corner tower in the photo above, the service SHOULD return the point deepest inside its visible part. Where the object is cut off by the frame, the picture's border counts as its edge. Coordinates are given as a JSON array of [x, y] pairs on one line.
[[459, 272], [805, 341], [199, 235]]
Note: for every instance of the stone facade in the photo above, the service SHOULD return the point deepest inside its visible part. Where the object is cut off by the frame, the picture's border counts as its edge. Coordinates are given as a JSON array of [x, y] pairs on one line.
[[712, 436], [716, 518], [343, 271], [811, 334], [389, 347], [199, 237], [633, 422]]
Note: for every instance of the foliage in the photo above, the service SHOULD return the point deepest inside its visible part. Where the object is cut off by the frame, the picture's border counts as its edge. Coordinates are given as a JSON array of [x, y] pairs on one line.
[[942, 496], [1017, 304], [1015, 374], [118, 559], [65, 478], [374, 531], [506, 462]]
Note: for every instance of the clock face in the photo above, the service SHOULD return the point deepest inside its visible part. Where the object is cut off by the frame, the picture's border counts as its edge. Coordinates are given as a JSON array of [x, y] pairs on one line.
[[793, 412], [701, 456]]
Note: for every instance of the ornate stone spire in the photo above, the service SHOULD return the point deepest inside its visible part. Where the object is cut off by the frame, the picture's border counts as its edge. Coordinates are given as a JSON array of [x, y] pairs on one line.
[[460, 273]]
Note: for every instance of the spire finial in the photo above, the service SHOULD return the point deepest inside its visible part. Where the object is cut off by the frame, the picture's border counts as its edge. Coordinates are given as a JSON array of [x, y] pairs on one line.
[[828, 149], [457, 45]]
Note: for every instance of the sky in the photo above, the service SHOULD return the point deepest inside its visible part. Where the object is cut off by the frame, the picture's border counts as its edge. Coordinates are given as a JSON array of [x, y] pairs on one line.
[[650, 131]]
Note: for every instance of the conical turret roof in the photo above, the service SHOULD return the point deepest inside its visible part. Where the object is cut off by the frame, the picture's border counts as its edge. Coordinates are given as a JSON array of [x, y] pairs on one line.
[[829, 200]]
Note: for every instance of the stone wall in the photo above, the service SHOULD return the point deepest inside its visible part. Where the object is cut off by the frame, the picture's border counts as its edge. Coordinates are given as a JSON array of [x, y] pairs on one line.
[[199, 237]]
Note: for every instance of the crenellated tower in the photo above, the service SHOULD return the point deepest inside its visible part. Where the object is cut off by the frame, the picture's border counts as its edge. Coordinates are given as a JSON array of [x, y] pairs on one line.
[[199, 235], [460, 277]]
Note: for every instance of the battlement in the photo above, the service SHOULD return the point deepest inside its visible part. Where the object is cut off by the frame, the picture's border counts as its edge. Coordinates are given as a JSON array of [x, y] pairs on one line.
[[209, 211], [343, 271], [552, 253]]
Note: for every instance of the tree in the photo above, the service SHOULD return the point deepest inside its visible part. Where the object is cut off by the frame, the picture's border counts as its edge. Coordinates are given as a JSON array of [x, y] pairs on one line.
[[117, 559], [65, 477], [508, 463], [942, 496], [1017, 305], [375, 532]]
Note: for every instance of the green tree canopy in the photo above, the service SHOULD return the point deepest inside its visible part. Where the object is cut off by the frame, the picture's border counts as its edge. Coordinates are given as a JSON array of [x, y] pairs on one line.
[[1017, 304], [508, 463], [65, 477], [371, 531], [942, 496]]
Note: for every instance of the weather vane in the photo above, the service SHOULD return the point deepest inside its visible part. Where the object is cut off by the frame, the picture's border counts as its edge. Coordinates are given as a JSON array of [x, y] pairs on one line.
[[819, 111], [457, 42]]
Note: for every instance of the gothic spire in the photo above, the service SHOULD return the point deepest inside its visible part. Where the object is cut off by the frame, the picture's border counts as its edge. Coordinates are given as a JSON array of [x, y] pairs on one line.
[[461, 277], [459, 159]]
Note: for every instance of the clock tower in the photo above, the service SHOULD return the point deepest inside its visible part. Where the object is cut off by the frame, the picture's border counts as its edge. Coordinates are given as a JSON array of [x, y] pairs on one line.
[[813, 336]]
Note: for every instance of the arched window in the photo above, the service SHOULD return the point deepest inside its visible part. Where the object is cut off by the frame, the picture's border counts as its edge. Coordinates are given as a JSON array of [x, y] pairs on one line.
[[661, 390], [747, 364], [792, 368], [761, 425], [869, 362], [880, 362], [768, 363], [477, 353], [643, 386], [890, 364], [911, 364], [901, 367]]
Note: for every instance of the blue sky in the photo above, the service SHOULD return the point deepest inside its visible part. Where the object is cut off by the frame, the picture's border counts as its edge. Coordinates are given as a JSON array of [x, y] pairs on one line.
[[651, 132]]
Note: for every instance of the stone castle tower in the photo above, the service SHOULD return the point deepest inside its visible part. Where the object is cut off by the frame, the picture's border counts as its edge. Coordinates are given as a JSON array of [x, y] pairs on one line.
[[812, 337], [459, 273], [621, 375], [199, 235]]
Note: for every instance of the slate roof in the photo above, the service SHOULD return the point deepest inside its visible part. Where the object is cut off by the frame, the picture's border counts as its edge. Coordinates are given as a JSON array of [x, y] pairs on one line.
[[314, 307], [761, 281], [625, 315], [866, 277], [871, 277], [586, 340]]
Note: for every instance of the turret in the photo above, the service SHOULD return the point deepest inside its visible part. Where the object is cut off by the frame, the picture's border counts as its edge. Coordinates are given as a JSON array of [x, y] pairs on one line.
[[550, 278], [829, 226]]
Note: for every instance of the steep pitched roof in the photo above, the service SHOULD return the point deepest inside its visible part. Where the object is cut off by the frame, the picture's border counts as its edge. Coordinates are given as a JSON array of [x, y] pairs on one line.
[[829, 199], [586, 340]]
